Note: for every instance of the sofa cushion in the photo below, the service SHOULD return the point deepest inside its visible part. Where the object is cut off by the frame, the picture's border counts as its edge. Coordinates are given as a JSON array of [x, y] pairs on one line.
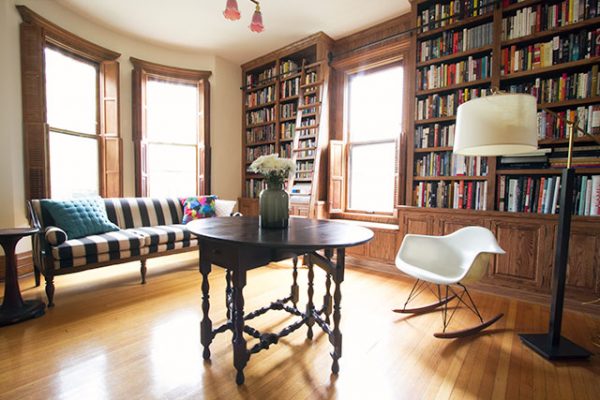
[[159, 248], [141, 211], [79, 217], [197, 207], [97, 258], [91, 246], [164, 234]]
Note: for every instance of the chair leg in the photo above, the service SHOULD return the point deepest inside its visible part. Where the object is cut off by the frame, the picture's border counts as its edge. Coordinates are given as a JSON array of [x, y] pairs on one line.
[[143, 270], [417, 289], [49, 276], [447, 318]]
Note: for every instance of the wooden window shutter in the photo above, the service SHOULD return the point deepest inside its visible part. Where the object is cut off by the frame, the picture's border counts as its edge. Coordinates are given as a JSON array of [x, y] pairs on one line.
[[336, 175], [111, 153], [37, 174], [203, 167], [138, 79]]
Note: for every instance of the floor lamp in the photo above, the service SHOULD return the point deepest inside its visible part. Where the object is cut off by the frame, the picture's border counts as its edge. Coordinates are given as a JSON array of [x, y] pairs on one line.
[[503, 124]]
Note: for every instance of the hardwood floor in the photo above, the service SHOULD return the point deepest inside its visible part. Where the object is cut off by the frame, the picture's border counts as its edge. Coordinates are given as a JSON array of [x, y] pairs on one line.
[[111, 338]]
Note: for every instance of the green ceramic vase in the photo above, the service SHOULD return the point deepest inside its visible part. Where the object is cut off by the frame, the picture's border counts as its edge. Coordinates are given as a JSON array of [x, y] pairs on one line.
[[274, 206]]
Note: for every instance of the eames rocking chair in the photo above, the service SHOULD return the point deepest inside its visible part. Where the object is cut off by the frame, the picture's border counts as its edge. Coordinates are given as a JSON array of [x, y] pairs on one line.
[[452, 262]]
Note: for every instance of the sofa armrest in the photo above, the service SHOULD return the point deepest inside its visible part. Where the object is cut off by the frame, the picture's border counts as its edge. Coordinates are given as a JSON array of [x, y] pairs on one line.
[[224, 208]]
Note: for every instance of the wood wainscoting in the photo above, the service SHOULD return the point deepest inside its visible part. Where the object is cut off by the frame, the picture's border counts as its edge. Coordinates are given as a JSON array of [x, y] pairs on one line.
[[24, 264], [525, 271]]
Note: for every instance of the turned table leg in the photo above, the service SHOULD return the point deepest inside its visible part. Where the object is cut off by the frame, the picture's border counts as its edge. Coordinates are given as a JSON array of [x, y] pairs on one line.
[[294, 293], [206, 334], [240, 353], [310, 305], [336, 334]]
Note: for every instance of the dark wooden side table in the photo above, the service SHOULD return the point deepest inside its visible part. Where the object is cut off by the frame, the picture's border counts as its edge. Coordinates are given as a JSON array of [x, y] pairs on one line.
[[238, 244], [13, 308]]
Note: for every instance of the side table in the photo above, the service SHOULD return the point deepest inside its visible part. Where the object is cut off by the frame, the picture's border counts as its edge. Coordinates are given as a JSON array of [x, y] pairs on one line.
[[13, 308]]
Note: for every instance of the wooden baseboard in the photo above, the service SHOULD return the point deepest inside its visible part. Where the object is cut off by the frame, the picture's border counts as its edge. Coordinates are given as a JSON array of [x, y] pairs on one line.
[[24, 264]]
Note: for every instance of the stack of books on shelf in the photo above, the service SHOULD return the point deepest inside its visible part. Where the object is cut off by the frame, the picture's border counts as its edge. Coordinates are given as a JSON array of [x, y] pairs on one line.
[[262, 77], [436, 135], [561, 49], [534, 160], [469, 195], [449, 164], [547, 16], [529, 194], [444, 75], [551, 127], [567, 86], [437, 15], [583, 157], [451, 42]]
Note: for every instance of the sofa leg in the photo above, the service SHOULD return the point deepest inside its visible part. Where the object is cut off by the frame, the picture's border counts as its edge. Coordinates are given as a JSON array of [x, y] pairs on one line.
[[50, 288], [37, 275], [143, 270]]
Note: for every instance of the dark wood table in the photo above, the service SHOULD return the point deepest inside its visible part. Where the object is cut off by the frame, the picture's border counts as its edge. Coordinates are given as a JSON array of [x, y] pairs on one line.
[[238, 244], [13, 308]]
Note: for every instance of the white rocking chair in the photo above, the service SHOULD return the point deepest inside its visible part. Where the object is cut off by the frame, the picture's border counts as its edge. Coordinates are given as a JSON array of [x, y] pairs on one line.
[[453, 260]]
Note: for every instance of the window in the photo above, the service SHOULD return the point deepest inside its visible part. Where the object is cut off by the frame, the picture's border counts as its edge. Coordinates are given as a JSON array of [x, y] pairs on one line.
[[71, 108], [374, 125], [70, 93], [170, 130]]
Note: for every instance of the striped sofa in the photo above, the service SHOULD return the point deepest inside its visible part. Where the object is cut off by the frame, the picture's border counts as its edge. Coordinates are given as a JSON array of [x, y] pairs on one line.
[[148, 228]]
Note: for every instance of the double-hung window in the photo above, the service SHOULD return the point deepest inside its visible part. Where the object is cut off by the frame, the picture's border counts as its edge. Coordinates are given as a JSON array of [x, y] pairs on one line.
[[171, 130], [374, 124]]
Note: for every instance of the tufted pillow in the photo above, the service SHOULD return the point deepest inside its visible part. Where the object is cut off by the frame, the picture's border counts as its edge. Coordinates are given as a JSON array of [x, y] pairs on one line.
[[55, 236], [79, 217], [197, 207]]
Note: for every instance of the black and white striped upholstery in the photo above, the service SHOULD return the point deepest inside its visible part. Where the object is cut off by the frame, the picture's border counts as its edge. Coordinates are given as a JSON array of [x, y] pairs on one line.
[[140, 212]]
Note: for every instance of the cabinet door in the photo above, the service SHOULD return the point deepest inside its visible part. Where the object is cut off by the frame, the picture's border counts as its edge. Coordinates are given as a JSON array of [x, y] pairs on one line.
[[528, 246], [583, 268], [383, 245], [248, 206], [415, 222], [447, 224]]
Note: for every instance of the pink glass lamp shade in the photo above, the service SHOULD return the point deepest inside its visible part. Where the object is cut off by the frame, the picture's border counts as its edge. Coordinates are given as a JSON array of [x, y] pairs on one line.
[[231, 10], [257, 22]]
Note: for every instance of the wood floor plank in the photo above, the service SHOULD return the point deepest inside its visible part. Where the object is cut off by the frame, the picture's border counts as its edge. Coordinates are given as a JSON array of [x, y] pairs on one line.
[[110, 337]]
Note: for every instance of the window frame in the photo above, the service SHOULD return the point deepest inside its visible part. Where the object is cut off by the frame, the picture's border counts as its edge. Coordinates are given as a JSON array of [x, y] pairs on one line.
[[348, 144], [37, 33], [141, 73]]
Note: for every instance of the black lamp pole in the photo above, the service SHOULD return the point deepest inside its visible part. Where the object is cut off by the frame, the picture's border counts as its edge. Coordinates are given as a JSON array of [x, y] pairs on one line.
[[552, 345]]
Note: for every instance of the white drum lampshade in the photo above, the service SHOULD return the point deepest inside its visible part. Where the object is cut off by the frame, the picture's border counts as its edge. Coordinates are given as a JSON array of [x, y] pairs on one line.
[[496, 125]]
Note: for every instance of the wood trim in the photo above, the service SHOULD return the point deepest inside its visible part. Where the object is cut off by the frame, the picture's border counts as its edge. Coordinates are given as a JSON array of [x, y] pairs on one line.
[[166, 71], [142, 70], [24, 265], [65, 39]]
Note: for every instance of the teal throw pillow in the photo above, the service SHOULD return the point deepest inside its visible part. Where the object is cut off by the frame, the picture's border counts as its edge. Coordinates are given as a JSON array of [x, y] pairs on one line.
[[79, 217]]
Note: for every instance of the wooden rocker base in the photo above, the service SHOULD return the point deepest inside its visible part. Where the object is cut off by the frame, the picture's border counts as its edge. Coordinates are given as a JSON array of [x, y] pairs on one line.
[[424, 309], [469, 331]]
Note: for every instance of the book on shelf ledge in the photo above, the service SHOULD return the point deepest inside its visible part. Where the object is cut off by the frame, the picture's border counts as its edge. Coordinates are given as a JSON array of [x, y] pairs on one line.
[[435, 15], [468, 195], [452, 42]]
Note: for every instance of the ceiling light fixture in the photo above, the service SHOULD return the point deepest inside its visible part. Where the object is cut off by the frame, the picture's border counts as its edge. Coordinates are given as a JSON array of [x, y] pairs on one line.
[[232, 13]]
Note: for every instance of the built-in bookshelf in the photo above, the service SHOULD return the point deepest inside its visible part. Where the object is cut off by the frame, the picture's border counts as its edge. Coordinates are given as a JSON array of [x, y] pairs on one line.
[[284, 96], [545, 48]]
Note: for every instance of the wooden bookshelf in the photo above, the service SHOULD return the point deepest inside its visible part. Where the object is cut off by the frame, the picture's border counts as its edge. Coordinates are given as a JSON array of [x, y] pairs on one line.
[[289, 67]]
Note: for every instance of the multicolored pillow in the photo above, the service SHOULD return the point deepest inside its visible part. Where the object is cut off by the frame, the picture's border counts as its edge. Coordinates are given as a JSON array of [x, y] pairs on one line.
[[198, 207]]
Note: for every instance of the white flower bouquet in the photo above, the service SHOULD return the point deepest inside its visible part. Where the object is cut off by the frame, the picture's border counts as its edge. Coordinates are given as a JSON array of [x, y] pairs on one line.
[[274, 169]]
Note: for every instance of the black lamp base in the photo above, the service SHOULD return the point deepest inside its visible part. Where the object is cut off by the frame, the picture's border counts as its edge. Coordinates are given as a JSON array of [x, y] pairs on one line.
[[566, 350]]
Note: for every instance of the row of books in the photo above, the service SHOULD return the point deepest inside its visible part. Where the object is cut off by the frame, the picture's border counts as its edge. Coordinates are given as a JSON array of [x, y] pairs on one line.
[[287, 130], [436, 15], [260, 134], [306, 166], [285, 151], [449, 164], [310, 99], [587, 195], [445, 105], [435, 135], [308, 121], [288, 110], [299, 193], [444, 75], [450, 42], [261, 77], [307, 144], [311, 77], [263, 96], [252, 153], [552, 127], [470, 195], [260, 116], [529, 194], [290, 87], [543, 17], [305, 153], [288, 66], [564, 87], [561, 49], [254, 187]]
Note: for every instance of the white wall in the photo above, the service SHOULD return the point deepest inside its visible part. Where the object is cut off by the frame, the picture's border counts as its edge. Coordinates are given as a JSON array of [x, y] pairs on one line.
[[225, 103]]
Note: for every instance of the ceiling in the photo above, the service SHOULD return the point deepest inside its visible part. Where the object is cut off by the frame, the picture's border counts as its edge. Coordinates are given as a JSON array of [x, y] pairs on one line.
[[200, 25]]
